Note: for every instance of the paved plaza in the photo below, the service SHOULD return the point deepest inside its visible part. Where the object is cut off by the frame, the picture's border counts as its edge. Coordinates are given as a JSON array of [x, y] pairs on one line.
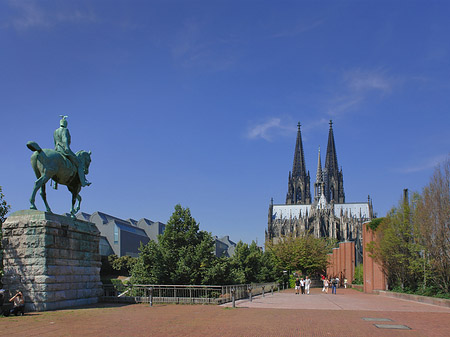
[[349, 313]]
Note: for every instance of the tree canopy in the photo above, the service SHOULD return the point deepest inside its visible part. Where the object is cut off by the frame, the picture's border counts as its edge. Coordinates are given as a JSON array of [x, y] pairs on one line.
[[307, 253], [413, 243], [185, 255], [182, 255], [4, 207]]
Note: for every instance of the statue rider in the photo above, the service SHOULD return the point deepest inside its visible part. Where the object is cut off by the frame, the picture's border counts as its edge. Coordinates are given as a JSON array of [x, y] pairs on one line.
[[61, 137]]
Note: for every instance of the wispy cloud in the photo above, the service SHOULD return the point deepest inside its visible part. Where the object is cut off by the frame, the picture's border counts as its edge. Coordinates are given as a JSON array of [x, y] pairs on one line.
[[299, 29], [357, 85], [192, 47], [31, 14], [269, 129], [359, 80], [424, 165]]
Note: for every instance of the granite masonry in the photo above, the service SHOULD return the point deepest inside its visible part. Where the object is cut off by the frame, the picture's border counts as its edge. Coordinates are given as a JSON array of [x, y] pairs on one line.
[[53, 259]]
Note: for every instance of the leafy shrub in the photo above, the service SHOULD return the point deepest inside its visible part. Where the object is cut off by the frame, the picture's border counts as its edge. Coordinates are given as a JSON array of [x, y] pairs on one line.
[[359, 274]]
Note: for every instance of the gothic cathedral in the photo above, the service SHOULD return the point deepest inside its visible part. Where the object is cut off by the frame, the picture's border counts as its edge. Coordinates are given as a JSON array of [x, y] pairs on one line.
[[327, 215]]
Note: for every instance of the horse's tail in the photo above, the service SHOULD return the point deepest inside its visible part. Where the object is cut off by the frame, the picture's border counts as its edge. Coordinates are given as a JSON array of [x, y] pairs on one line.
[[33, 146]]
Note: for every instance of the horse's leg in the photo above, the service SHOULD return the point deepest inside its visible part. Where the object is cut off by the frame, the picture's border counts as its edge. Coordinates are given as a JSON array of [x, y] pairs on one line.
[[37, 185], [44, 197], [75, 197], [79, 203]]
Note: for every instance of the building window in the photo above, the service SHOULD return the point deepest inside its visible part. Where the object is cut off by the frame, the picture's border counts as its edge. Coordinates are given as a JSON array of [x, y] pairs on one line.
[[116, 234]]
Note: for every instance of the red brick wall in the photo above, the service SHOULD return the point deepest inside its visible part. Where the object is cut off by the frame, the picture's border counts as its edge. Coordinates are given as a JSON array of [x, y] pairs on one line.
[[374, 278], [342, 262]]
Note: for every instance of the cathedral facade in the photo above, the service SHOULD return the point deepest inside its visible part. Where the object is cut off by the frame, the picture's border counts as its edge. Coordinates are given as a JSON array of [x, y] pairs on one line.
[[325, 215]]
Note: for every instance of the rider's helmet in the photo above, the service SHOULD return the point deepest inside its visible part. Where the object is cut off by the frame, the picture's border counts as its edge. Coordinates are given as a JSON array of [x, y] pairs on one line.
[[63, 121]]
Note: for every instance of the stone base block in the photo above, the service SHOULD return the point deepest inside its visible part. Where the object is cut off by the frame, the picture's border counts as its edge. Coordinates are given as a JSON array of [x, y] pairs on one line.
[[54, 260]]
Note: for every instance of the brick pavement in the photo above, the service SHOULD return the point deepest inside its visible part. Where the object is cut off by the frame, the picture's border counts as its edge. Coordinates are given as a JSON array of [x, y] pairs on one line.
[[345, 299], [283, 314]]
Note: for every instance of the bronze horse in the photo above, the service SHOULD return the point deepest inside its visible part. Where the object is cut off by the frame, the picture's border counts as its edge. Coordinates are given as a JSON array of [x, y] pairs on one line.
[[50, 164]]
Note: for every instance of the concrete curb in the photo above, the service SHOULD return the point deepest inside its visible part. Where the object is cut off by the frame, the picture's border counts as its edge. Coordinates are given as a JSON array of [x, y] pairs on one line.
[[416, 298]]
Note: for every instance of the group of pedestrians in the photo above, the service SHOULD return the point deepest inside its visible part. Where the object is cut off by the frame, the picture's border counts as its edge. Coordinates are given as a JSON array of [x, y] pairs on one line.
[[332, 282], [302, 285]]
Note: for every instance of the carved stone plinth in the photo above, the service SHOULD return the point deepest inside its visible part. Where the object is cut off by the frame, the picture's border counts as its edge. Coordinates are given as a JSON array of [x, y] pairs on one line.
[[54, 260]]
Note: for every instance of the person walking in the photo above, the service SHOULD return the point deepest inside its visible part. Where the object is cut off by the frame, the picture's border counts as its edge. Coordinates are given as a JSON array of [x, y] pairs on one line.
[[302, 285], [297, 286], [333, 285], [307, 284], [325, 285]]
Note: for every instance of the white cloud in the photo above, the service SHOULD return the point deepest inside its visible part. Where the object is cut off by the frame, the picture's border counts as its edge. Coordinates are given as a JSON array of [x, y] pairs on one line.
[[357, 86], [269, 129], [424, 165], [300, 28], [30, 14], [192, 46], [359, 80]]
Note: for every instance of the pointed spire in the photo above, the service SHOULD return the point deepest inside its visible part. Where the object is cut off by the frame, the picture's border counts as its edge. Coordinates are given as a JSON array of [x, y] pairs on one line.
[[331, 164], [333, 178], [319, 169], [299, 157], [299, 181]]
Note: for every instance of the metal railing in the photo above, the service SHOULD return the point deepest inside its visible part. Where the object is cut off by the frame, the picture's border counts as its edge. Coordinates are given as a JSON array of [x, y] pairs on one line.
[[185, 294]]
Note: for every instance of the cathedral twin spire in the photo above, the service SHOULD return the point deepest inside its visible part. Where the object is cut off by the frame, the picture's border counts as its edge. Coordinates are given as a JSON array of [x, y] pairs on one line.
[[328, 182], [299, 182]]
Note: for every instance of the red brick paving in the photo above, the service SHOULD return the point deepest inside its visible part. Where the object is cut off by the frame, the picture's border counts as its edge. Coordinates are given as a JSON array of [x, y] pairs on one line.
[[337, 315]]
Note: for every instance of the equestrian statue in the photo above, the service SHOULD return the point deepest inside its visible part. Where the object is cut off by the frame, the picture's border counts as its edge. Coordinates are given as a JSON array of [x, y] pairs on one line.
[[61, 165]]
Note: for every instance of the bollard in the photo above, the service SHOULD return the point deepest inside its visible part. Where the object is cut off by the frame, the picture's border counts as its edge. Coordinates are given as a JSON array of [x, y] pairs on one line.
[[151, 297], [271, 289], [250, 293], [232, 297], [263, 291]]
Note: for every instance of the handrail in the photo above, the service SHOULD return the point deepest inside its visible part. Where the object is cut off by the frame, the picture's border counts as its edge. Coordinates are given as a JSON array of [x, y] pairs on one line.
[[163, 293]]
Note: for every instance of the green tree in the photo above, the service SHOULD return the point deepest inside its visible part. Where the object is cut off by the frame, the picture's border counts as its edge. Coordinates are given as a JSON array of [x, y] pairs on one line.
[[221, 272], [182, 255], [359, 274], [251, 264], [306, 253], [123, 265], [150, 266], [398, 247], [4, 209], [433, 218]]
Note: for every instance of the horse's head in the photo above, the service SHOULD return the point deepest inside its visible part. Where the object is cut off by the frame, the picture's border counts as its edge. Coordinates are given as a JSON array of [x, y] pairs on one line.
[[85, 159]]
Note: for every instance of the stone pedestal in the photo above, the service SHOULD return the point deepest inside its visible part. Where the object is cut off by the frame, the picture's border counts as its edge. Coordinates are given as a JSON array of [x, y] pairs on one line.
[[54, 260]]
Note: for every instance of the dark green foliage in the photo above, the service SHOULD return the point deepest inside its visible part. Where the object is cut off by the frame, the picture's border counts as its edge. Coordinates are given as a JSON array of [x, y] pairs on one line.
[[373, 225], [359, 275], [251, 264], [413, 243], [4, 209], [221, 272], [122, 265], [185, 255], [305, 254], [399, 248]]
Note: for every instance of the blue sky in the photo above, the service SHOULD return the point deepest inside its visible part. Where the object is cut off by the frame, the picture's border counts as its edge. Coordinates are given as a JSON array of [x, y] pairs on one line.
[[197, 102]]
